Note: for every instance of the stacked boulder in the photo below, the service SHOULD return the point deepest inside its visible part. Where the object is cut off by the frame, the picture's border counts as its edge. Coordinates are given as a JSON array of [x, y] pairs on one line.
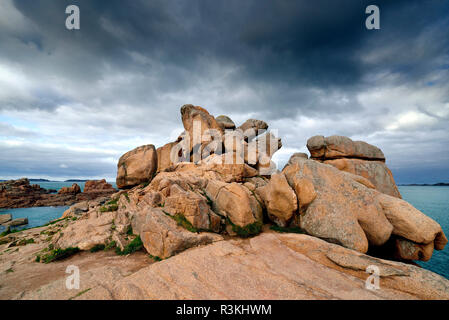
[[346, 209], [218, 179], [204, 135], [355, 157], [201, 181]]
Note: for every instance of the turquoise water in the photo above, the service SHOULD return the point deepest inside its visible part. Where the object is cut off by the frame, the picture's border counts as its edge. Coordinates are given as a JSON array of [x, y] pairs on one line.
[[58, 185], [434, 202], [37, 216]]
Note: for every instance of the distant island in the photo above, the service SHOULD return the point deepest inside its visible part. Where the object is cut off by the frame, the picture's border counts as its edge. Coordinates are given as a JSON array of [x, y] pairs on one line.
[[439, 184], [46, 180], [32, 180]]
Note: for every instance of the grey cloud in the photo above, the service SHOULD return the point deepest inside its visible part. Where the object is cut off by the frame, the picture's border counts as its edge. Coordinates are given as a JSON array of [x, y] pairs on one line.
[[7, 130]]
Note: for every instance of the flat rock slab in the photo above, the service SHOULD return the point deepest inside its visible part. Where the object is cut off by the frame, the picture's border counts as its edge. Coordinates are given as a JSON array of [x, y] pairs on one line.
[[5, 218], [274, 266], [16, 222]]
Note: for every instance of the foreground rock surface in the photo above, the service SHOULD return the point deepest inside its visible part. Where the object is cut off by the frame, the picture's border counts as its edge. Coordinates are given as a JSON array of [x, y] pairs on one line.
[[269, 266], [21, 277]]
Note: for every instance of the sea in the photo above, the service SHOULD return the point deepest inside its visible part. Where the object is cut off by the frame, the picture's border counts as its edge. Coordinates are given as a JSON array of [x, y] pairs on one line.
[[432, 200]]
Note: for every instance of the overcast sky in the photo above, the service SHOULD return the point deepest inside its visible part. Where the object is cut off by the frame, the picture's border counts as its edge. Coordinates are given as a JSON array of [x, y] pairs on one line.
[[71, 102]]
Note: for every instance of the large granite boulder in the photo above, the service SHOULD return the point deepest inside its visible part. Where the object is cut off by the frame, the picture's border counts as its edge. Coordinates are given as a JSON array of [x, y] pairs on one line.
[[136, 166], [350, 213], [344, 211], [225, 122], [356, 157], [162, 237], [335, 147], [280, 200], [298, 155], [198, 124], [236, 203], [334, 195], [411, 224], [165, 157], [193, 207]]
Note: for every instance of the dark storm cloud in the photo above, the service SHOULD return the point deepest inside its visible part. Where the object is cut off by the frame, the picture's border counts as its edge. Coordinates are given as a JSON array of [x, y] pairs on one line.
[[307, 67], [280, 44]]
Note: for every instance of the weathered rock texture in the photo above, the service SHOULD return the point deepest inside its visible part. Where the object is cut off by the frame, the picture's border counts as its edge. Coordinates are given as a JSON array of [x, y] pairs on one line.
[[206, 136], [347, 211], [20, 194], [340, 194], [356, 157], [335, 147], [344, 194], [268, 266], [162, 237], [273, 266], [279, 199], [136, 166]]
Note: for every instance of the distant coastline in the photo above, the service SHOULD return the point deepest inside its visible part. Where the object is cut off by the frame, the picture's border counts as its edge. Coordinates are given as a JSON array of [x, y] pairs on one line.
[[439, 184]]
